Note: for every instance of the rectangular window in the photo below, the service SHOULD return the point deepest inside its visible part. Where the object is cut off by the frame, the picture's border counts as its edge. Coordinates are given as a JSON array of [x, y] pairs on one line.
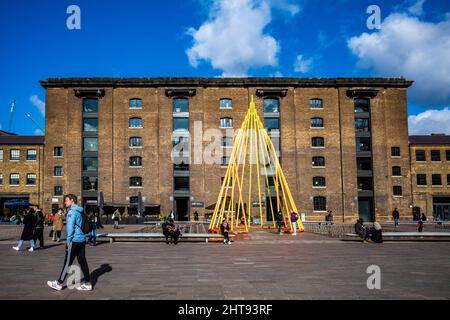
[[58, 191], [1, 179], [436, 180], [31, 155], [421, 179], [318, 162], [180, 124], [396, 171], [135, 142], [226, 104], [397, 190], [271, 124], [363, 144], [420, 155], [181, 183], [14, 179], [31, 179], [320, 203], [395, 151], [448, 179], [135, 104], [90, 183], [15, 155], [227, 141], [57, 171], [1, 154], [363, 163], [226, 123], [365, 183], [435, 155], [90, 164], [58, 152], [90, 124], [90, 105], [362, 125], [90, 144]]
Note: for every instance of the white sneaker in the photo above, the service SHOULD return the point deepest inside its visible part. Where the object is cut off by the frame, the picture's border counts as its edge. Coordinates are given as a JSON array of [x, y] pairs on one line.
[[31, 249], [85, 287], [229, 242], [54, 285], [16, 248]]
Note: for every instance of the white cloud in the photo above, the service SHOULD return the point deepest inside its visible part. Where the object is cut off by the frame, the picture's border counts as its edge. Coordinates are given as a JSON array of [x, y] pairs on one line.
[[38, 103], [233, 38], [302, 65], [417, 8], [406, 46], [430, 121], [38, 132]]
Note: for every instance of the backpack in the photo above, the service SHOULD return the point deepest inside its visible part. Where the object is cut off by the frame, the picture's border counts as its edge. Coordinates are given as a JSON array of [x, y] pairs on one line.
[[294, 217], [85, 225]]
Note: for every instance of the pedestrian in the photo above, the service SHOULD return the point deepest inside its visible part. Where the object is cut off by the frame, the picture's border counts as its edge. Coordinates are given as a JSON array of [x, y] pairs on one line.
[[225, 231], [420, 226], [28, 230], [294, 219], [75, 246], [58, 225], [423, 217], [361, 230], [395, 216], [94, 224], [195, 216], [171, 216], [174, 231], [376, 234], [116, 217], [279, 220], [330, 217], [39, 228], [165, 230]]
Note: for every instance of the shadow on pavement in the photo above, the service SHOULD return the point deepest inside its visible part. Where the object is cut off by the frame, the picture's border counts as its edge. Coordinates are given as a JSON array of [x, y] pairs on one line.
[[97, 273]]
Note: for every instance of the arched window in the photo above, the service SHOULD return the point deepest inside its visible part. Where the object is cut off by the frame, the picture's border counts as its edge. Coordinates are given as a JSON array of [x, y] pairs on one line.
[[226, 122], [320, 203], [319, 182], [135, 122], [271, 105], [135, 182], [316, 122], [318, 161], [316, 103], [317, 142], [135, 161], [135, 142], [180, 105], [226, 104], [135, 103]]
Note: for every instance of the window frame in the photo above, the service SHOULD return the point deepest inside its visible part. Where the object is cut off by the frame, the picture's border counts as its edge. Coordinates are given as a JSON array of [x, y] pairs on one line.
[[316, 158], [135, 100], [320, 139], [394, 169], [11, 155], [28, 154], [316, 106], [424, 155], [434, 153], [139, 120], [421, 177], [139, 146], [28, 177], [319, 179], [438, 177], [272, 111], [54, 171], [136, 179], [226, 120], [395, 190], [319, 204], [394, 153], [60, 149], [223, 100], [320, 119], [16, 176]]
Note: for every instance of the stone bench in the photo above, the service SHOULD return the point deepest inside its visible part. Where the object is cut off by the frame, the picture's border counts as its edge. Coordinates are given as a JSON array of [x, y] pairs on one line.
[[206, 236], [409, 235]]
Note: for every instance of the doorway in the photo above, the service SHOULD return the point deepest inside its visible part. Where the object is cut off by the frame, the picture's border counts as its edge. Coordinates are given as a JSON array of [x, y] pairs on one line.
[[182, 209], [268, 209], [365, 209]]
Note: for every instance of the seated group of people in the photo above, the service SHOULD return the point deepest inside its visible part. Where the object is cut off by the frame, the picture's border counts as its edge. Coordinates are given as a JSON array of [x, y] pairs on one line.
[[373, 233], [171, 231]]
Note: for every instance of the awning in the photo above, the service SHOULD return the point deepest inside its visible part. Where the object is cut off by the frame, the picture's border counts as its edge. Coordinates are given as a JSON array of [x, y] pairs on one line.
[[17, 203]]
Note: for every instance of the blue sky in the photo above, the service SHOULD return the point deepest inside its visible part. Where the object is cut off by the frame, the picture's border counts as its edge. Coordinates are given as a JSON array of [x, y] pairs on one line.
[[210, 38]]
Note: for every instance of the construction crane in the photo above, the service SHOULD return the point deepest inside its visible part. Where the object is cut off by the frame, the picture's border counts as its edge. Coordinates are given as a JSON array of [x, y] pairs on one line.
[[35, 123], [11, 111]]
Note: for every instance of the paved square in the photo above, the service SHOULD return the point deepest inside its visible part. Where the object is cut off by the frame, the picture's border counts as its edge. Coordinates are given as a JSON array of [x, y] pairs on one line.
[[267, 266]]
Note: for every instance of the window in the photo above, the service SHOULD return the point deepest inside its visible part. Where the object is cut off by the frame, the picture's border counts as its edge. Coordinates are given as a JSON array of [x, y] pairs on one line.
[[31, 155], [135, 104], [363, 144], [90, 105], [90, 164], [31, 179], [135, 182], [227, 141], [90, 124], [226, 104], [226, 122], [90, 183], [319, 182], [396, 171], [395, 151], [362, 105], [134, 200], [271, 105], [224, 161], [135, 123], [14, 179], [448, 179], [1, 154], [271, 124], [1, 179], [436, 180], [181, 166], [420, 155], [317, 123], [135, 162], [397, 190], [180, 105], [135, 142], [181, 183], [90, 144], [364, 183], [447, 155], [318, 161], [316, 103], [320, 203], [15, 155], [58, 191], [180, 124], [435, 155], [363, 163], [58, 152], [317, 142], [362, 125], [57, 171], [421, 179]]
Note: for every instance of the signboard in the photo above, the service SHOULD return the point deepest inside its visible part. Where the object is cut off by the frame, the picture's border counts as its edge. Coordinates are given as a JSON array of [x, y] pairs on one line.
[[55, 200], [91, 201], [197, 204], [255, 204]]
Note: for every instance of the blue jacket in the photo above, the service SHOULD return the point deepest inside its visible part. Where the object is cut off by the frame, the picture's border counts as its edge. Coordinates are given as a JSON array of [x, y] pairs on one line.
[[74, 225]]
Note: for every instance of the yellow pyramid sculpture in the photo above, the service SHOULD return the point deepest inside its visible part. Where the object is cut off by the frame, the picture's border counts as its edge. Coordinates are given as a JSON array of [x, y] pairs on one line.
[[252, 162]]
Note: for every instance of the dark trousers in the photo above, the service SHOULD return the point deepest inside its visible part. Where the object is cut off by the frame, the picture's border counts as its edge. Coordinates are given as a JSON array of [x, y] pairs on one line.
[[39, 235], [173, 237], [226, 236], [78, 250]]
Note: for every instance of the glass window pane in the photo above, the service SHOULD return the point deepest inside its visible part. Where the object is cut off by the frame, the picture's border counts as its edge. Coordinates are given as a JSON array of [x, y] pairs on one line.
[[364, 183], [362, 105], [362, 125], [271, 124], [14, 179], [90, 164], [57, 172], [90, 144], [435, 155], [226, 104], [90, 124], [421, 179], [90, 105], [271, 105], [136, 104], [15, 155], [181, 183], [58, 152], [180, 105], [31, 179], [135, 123], [226, 123], [90, 183], [363, 144], [317, 122], [31, 154], [135, 182], [135, 142], [180, 124], [135, 162], [318, 142], [420, 155], [1, 155], [316, 103], [58, 191]]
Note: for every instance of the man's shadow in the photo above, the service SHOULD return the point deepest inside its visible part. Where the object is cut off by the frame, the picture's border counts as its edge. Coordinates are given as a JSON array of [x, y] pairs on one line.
[[97, 273]]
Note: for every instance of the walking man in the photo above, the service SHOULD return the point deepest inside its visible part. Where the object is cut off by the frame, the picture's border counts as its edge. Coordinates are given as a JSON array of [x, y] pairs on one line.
[[39, 228], [75, 246], [28, 231], [294, 219], [395, 216], [279, 220]]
